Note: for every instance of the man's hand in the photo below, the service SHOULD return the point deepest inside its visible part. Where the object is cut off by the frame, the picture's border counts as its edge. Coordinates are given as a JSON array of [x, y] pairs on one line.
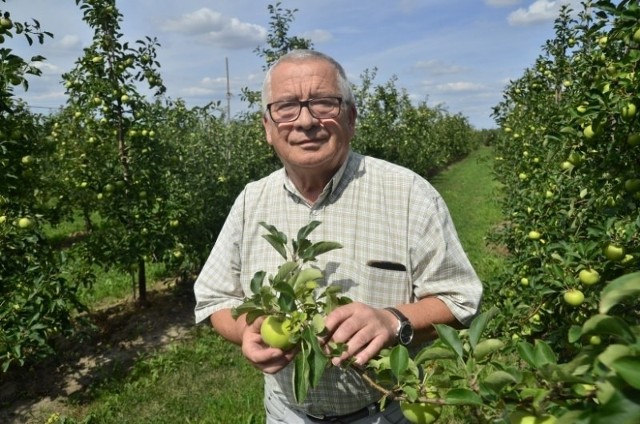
[[265, 358], [364, 329]]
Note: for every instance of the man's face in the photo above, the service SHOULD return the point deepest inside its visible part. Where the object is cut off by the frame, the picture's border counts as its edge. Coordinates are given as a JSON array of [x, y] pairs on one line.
[[308, 144]]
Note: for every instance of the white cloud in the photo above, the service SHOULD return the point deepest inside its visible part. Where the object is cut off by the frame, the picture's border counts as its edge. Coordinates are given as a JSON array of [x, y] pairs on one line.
[[538, 11], [459, 87], [214, 28], [69, 42], [501, 3]]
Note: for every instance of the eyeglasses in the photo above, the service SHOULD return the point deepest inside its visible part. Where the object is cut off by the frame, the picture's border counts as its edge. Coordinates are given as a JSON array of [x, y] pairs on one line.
[[289, 110]]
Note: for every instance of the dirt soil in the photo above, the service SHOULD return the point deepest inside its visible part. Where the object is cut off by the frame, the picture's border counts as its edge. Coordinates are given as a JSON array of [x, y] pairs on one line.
[[122, 333]]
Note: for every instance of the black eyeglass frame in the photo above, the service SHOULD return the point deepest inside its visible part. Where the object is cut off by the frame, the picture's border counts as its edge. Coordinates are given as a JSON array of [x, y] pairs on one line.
[[306, 103]]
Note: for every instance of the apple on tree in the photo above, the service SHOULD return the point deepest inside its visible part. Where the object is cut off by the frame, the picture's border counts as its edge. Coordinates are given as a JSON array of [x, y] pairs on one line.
[[588, 276], [420, 412], [573, 297], [277, 332]]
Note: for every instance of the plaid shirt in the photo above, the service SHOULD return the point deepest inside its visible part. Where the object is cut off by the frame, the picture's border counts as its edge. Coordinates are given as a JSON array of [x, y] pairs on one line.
[[378, 211]]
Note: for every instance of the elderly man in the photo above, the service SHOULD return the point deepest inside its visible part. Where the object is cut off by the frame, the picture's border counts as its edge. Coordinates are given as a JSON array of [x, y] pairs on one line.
[[401, 260]]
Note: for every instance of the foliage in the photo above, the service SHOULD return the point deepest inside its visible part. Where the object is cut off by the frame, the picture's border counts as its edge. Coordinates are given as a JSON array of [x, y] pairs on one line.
[[600, 382], [418, 137], [36, 302], [294, 293], [568, 161]]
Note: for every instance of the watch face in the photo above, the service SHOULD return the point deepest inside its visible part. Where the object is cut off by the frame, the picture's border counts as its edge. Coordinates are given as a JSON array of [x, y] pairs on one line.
[[406, 334]]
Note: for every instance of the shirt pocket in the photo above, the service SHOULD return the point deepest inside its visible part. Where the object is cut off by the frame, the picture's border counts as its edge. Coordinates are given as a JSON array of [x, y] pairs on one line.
[[372, 285]]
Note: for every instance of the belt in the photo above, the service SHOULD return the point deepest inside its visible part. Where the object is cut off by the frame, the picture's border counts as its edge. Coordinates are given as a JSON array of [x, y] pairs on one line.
[[367, 411]]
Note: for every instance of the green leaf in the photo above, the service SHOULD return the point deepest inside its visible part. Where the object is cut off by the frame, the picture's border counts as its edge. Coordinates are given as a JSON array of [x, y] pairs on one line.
[[526, 353], [450, 337], [544, 354], [277, 244], [317, 359], [462, 397], [285, 269], [499, 379], [612, 353], [628, 367], [254, 314], [605, 324], [301, 373], [257, 282], [479, 324], [619, 289], [434, 353], [304, 232], [287, 302], [399, 358], [311, 252]]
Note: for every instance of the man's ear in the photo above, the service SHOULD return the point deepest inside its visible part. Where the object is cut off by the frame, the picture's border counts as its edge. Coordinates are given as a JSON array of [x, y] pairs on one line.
[[353, 114], [265, 125]]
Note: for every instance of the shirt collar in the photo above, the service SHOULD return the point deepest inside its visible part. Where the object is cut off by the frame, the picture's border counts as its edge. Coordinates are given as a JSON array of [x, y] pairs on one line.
[[328, 189]]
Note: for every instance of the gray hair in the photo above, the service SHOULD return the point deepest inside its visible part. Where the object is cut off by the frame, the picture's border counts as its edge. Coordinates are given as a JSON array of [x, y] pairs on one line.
[[302, 55]]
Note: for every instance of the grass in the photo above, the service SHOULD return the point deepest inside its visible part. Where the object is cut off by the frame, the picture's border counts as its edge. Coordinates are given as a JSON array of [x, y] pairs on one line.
[[470, 192], [202, 380], [206, 380]]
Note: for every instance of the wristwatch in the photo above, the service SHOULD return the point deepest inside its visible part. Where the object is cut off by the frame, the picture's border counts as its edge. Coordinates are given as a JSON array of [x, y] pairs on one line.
[[404, 334]]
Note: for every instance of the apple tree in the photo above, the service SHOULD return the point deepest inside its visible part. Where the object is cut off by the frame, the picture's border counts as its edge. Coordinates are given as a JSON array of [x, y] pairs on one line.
[[36, 301], [568, 160], [112, 157]]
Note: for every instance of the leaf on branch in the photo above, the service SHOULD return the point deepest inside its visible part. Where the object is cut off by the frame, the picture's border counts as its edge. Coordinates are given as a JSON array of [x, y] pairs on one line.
[[301, 373], [605, 324], [304, 232], [618, 290], [462, 397], [399, 359], [479, 324], [257, 282], [451, 338]]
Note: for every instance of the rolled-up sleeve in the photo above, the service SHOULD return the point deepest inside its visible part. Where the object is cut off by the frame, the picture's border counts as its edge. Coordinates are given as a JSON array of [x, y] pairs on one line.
[[218, 285], [440, 267]]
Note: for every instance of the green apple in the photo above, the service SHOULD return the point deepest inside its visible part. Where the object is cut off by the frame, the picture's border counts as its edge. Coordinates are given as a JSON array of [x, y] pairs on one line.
[[632, 185], [613, 252], [628, 111], [124, 98], [589, 132], [3, 219], [575, 158], [276, 332], [524, 281], [588, 276], [25, 223], [420, 413], [595, 340], [534, 235], [602, 41], [573, 297], [523, 417], [581, 109], [26, 160], [633, 139], [5, 23], [636, 35], [96, 59], [566, 165], [523, 176]]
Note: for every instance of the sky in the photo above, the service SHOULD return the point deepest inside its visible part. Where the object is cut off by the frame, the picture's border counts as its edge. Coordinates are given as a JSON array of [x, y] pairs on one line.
[[454, 54]]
